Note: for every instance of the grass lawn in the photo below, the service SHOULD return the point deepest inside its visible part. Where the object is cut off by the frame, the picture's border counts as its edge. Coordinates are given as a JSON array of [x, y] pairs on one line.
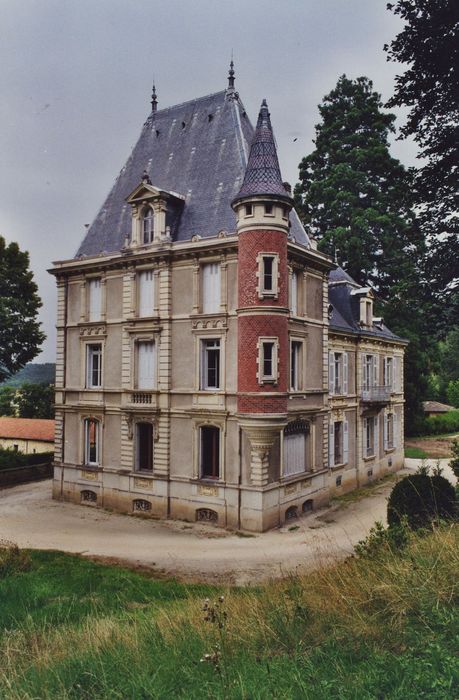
[[415, 453], [386, 627]]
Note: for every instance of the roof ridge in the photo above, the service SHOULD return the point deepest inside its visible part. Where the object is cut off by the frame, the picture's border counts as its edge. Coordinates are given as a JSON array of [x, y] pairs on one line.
[[187, 102]]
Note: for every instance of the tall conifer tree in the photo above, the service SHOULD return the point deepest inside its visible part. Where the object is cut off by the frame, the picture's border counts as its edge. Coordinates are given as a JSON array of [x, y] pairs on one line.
[[20, 334]]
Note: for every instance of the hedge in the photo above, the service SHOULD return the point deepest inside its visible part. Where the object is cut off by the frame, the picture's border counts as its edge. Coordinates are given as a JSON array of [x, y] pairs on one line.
[[10, 458], [421, 499]]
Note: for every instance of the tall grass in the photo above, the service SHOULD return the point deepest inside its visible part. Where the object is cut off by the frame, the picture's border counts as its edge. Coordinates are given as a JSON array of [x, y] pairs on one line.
[[385, 627]]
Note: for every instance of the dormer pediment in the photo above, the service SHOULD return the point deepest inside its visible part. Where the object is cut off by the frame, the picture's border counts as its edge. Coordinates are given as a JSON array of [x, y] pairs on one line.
[[146, 192]]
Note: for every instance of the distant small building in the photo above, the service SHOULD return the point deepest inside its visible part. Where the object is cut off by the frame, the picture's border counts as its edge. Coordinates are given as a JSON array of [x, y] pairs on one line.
[[434, 408], [28, 435]]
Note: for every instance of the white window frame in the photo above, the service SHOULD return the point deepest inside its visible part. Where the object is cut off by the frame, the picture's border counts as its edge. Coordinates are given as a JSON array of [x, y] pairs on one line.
[[206, 345], [211, 292], [145, 289], [262, 291], [338, 380], [273, 377], [147, 214], [370, 370], [94, 299], [388, 370], [91, 353], [389, 430], [86, 444], [140, 383]]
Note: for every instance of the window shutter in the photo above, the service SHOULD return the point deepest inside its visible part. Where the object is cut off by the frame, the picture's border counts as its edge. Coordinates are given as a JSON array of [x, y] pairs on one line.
[[146, 293], [385, 430], [395, 429], [210, 288], [331, 444], [345, 441], [364, 438], [146, 373], [94, 300], [362, 364], [397, 380], [345, 373], [331, 372], [375, 369], [376, 436], [294, 294]]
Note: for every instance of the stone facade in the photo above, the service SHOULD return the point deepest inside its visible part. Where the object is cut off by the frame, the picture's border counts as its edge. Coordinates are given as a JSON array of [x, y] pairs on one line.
[[207, 378]]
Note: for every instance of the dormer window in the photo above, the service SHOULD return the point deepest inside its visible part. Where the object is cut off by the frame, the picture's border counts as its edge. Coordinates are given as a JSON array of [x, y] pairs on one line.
[[148, 225]]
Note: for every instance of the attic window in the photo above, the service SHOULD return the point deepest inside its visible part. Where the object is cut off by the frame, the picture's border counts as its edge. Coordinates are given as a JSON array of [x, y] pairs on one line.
[[183, 125], [210, 117], [157, 131], [248, 210], [268, 209], [148, 225]]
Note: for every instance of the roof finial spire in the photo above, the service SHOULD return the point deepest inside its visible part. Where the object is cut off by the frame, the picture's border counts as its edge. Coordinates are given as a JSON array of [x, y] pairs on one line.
[[231, 75], [154, 101]]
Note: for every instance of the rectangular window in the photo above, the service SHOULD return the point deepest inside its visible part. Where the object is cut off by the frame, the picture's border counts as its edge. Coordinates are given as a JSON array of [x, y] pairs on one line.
[[388, 371], [144, 447], [211, 288], [91, 442], [338, 373], [389, 431], [370, 371], [146, 365], [145, 293], [94, 365], [294, 294], [370, 436], [296, 348], [94, 299], [268, 265], [249, 210], [210, 452], [338, 443], [268, 360], [210, 364]]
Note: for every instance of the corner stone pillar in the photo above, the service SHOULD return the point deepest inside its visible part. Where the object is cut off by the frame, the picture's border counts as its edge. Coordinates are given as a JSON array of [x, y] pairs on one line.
[[261, 434]]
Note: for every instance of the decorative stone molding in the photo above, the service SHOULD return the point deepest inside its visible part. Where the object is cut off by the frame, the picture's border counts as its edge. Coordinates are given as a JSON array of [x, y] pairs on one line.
[[131, 419], [209, 324], [262, 434], [93, 331]]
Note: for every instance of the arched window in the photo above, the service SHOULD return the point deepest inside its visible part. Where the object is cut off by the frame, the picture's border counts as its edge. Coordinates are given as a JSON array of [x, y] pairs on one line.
[[91, 442], [148, 225], [144, 447]]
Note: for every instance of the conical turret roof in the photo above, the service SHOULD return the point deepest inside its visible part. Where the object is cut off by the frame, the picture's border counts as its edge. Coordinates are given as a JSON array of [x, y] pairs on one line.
[[262, 174]]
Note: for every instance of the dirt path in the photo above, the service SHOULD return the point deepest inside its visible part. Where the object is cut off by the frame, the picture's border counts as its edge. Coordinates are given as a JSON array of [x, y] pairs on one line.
[[30, 517]]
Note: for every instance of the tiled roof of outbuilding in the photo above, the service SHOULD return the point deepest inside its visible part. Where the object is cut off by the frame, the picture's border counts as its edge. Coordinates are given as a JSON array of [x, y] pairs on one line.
[[41, 429], [197, 149]]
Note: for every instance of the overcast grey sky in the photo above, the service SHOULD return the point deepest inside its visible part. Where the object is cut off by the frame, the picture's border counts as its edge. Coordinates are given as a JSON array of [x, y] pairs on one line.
[[76, 80]]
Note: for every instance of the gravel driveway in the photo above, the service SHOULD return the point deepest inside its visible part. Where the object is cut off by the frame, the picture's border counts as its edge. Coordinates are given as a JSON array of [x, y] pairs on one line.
[[30, 517]]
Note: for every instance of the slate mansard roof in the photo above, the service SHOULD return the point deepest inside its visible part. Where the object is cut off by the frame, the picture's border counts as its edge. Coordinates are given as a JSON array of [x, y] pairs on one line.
[[345, 313], [198, 149]]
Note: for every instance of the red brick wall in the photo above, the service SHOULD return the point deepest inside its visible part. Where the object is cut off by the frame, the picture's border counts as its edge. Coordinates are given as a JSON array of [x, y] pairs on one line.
[[250, 244], [251, 328]]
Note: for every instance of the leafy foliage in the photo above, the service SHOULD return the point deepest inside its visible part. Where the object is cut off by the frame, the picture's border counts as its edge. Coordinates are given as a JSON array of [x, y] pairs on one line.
[[452, 393], [35, 401], [429, 46], [442, 423], [7, 405], [20, 334], [10, 458], [454, 462], [422, 500], [383, 539], [13, 560]]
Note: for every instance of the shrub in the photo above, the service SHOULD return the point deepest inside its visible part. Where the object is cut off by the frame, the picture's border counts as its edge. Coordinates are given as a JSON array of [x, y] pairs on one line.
[[454, 462], [10, 459], [444, 423], [381, 540], [422, 499], [12, 559]]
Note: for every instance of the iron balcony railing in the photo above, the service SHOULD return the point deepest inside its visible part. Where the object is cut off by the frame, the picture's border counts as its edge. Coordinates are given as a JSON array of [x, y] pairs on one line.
[[376, 394]]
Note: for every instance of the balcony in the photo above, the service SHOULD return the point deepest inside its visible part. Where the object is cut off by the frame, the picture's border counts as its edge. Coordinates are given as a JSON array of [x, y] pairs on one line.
[[141, 398], [376, 394]]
